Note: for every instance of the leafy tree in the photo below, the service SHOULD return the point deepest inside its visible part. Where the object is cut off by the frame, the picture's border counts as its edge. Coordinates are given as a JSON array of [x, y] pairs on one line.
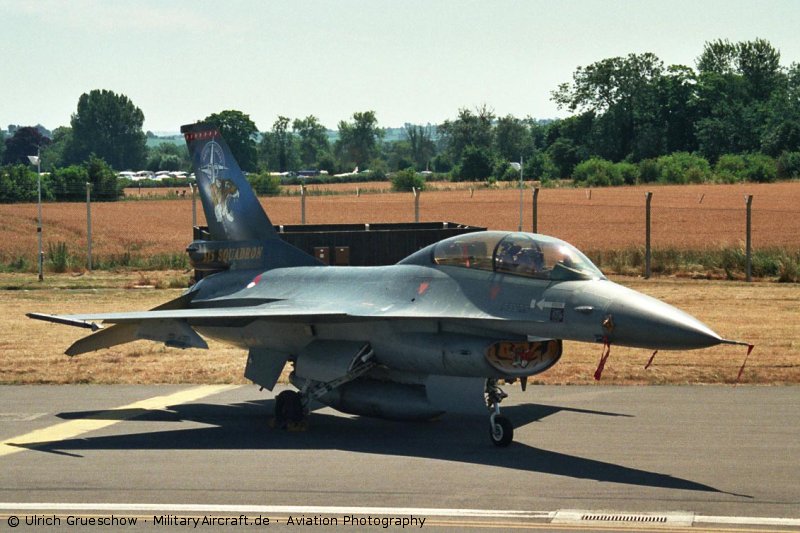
[[441, 163], [18, 183], [420, 145], [760, 65], [69, 183], [782, 129], [742, 100], [503, 171], [358, 140], [682, 168], [564, 154], [729, 123], [25, 141], [538, 130], [567, 142], [476, 164], [284, 142], [110, 126], [760, 168], [103, 179], [56, 153], [595, 172], [264, 184], [313, 143], [648, 171], [622, 92], [718, 57], [168, 156], [539, 166], [397, 155], [677, 91], [469, 129], [378, 170], [789, 165], [240, 133], [405, 180], [625, 173], [327, 163], [511, 138], [278, 148]]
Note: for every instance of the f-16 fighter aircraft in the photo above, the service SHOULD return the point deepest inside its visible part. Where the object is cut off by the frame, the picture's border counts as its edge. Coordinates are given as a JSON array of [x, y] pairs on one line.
[[491, 305]]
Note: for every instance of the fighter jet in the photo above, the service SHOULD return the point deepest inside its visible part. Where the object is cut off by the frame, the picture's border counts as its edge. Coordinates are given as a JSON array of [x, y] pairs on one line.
[[494, 306]]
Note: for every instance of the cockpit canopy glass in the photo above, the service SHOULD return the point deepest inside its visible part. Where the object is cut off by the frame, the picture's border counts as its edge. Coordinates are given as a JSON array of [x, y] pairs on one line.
[[522, 254]]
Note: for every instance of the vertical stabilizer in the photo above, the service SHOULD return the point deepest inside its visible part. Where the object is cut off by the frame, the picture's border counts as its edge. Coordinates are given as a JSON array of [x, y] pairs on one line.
[[233, 212]]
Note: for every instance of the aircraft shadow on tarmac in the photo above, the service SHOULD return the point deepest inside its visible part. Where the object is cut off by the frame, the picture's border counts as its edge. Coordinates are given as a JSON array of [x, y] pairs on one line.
[[456, 437]]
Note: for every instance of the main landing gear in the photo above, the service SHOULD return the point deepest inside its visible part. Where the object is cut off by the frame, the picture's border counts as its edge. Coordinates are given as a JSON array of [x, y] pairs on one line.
[[291, 407], [501, 431], [290, 413]]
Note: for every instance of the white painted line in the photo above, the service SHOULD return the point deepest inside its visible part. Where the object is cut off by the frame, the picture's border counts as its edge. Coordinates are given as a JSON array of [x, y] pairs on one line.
[[273, 509], [674, 518], [747, 521], [20, 417]]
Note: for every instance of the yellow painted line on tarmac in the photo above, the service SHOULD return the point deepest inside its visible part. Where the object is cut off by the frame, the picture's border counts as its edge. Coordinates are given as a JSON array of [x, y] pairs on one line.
[[73, 428]]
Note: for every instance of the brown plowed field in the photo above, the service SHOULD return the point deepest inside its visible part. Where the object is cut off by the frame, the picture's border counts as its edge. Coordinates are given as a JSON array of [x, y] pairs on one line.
[[686, 217]]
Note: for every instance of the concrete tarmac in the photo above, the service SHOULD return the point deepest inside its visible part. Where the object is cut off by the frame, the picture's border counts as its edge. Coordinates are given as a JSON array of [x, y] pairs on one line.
[[678, 456]]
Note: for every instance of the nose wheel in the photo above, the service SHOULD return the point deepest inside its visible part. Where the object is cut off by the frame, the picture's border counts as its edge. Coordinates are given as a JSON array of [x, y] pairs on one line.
[[501, 430]]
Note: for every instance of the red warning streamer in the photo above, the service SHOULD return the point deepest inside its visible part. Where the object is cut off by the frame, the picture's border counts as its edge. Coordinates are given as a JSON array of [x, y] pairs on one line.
[[650, 361], [606, 353], [741, 370]]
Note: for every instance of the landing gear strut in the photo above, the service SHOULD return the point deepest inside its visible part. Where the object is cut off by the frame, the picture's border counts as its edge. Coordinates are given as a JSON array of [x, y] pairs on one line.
[[501, 430], [291, 407]]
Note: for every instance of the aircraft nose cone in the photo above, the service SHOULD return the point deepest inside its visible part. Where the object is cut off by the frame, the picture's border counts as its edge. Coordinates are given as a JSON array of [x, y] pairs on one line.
[[644, 322]]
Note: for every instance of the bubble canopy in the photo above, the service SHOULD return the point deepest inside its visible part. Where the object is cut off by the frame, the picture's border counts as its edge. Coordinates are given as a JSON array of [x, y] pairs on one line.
[[522, 254]]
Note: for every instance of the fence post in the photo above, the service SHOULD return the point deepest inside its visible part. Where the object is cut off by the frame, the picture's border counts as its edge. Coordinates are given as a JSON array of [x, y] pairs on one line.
[[88, 226], [535, 226], [416, 203], [647, 256], [748, 245], [302, 204]]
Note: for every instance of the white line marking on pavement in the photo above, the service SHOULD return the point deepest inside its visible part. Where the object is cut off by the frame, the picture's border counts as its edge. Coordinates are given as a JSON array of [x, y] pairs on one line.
[[271, 509], [385, 511], [747, 521]]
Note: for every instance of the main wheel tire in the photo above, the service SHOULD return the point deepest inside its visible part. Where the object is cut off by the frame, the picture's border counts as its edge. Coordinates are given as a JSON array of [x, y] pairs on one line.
[[502, 433], [288, 409]]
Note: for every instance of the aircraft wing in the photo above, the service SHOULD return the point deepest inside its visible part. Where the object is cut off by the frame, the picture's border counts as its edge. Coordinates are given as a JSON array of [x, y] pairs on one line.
[[88, 320], [174, 326]]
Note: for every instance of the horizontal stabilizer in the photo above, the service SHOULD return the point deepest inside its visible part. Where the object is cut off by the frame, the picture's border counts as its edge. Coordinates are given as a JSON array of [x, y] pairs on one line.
[[108, 337]]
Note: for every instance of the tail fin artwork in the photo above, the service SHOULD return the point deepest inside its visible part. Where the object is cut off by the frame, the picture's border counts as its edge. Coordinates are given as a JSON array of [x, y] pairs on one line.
[[241, 234], [232, 210]]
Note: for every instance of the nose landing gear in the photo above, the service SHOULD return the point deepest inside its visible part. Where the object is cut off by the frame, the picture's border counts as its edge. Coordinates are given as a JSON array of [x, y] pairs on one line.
[[501, 430]]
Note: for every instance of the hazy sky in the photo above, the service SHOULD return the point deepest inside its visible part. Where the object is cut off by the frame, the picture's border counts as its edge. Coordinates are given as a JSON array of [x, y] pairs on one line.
[[409, 61]]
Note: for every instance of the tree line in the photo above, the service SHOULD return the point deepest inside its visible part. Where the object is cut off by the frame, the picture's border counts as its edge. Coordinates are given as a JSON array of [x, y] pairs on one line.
[[734, 116]]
